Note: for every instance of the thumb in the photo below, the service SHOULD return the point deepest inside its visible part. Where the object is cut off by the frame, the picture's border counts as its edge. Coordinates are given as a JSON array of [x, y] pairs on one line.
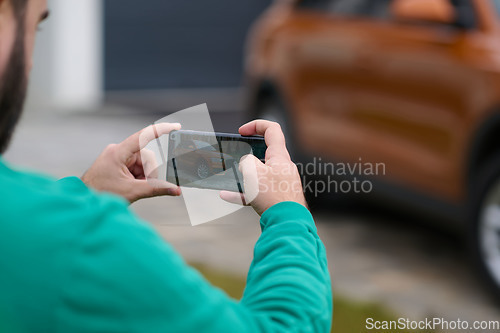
[[154, 188], [233, 197], [250, 167]]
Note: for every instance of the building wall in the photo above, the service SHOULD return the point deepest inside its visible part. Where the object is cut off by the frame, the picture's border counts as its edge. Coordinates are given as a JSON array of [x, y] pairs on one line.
[[162, 44]]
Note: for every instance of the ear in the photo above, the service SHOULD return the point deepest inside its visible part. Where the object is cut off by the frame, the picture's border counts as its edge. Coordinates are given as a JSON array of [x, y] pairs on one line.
[[5, 11], [4, 6]]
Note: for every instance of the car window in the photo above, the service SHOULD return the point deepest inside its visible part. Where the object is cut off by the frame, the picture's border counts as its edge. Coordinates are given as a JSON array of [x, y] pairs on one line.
[[465, 16], [496, 4], [369, 8], [185, 144], [203, 145], [314, 4]]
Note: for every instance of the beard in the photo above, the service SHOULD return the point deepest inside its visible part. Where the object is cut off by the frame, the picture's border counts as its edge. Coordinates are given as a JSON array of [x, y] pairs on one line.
[[13, 87]]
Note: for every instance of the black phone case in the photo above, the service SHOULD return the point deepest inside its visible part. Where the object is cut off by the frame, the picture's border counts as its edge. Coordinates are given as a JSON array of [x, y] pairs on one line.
[[256, 143]]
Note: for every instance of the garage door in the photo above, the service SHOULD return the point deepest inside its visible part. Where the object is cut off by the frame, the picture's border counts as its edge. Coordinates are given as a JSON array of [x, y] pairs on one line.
[[161, 44]]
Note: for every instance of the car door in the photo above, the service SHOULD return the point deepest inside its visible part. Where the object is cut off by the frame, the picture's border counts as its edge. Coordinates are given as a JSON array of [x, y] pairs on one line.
[[324, 66], [412, 103], [377, 90], [186, 156]]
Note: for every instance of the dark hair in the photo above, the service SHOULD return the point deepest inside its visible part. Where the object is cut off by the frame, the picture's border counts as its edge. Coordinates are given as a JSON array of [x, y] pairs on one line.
[[13, 83], [19, 7]]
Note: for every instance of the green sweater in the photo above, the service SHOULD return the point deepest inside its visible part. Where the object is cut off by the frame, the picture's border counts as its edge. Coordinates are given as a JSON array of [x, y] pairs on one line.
[[76, 261]]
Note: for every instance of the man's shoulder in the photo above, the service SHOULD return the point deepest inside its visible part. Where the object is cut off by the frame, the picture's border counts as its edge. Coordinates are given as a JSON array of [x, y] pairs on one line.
[[35, 200], [43, 219], [62, 241]]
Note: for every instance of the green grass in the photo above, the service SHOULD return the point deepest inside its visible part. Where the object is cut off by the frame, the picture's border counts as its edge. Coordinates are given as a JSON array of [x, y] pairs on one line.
[[348, 317]]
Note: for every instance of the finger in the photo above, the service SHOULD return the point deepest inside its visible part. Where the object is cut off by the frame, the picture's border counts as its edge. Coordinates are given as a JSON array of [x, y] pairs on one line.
[[139, 140], [162, 187], [275, 140], [233, 197], [249, 164], [269, 129], [149, 163]]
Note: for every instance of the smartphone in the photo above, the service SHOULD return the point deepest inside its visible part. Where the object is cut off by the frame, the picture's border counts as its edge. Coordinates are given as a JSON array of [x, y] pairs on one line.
[[210, 160]]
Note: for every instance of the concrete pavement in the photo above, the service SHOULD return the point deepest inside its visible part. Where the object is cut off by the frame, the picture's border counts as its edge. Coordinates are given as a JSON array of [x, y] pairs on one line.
[[416, 271]]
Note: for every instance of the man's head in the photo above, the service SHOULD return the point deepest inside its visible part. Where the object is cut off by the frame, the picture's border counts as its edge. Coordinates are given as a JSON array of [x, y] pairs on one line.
[[19, 20]]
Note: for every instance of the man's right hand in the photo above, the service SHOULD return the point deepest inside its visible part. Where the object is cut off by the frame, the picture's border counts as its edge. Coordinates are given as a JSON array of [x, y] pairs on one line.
[[277, 180]]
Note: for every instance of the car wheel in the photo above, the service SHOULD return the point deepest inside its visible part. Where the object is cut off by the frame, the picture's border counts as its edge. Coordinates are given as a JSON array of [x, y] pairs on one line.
[[485, 233], [202, 170]]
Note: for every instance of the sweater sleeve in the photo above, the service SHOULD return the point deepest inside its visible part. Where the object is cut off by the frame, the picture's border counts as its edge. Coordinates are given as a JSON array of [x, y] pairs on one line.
[[288, 284], [122, 277]]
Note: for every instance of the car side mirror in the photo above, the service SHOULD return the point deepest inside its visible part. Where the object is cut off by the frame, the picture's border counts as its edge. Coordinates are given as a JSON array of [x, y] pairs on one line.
[[433, 11]]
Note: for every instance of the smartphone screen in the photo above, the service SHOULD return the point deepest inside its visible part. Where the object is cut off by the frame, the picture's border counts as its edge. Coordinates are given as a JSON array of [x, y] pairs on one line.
[[210, 160]]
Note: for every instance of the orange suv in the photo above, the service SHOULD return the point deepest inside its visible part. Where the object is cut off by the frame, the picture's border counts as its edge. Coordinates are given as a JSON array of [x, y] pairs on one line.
[[414, 84]]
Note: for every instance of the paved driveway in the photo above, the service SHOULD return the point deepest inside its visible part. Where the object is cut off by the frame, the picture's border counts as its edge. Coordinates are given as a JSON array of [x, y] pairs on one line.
[[373, 255]]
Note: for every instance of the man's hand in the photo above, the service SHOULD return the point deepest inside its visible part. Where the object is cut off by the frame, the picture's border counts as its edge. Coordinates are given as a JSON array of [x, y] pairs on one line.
[[120, 167], [275, 181]]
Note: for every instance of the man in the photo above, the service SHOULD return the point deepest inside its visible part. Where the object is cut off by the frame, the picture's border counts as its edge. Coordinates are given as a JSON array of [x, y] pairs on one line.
[[77, 260]]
